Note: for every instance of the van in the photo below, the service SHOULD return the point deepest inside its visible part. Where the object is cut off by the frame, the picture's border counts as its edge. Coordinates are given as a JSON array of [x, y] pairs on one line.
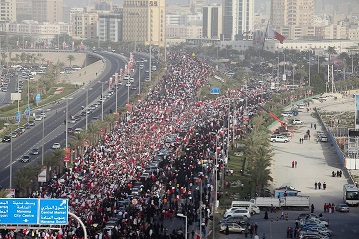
[[246, 204]]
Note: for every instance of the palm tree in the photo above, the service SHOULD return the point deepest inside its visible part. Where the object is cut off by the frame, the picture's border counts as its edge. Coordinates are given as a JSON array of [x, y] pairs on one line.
[[70, 58], [3, 193]]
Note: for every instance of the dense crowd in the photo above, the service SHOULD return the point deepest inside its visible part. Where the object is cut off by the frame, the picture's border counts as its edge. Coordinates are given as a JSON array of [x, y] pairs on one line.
[[187, 136]]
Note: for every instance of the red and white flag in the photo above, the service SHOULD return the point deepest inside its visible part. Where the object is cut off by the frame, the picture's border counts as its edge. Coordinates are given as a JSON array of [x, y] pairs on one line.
[[275, 35]]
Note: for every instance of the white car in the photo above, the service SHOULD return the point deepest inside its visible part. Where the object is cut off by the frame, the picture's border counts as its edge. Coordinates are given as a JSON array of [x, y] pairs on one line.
[[232, 227], [287, 114], [56, 146], [279, 138], [297, 121], [238, 212]]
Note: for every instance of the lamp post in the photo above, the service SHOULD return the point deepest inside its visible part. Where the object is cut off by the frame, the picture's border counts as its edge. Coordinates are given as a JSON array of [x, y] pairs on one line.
[[116, 106], [185, 231], [139, 79], [66, 120], [102, 100], [10, 166], [309, 67], [42, 141], [128, 92], [87, 103]]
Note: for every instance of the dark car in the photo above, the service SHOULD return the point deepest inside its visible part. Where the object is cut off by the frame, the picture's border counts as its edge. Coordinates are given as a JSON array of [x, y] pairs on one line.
[[6, 139], [35, 151], [235, 219], [25, 158], [32, 123]]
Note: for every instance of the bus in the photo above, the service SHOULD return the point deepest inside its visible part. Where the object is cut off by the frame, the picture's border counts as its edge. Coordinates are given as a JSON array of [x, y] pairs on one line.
[[350, 195]]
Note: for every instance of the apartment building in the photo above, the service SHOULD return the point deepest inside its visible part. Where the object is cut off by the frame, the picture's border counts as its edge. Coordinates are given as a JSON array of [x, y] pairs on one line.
[[85, 25], [47, 10], [295, 16], [8, 10], [144, 21], [109, 27], [237, 18], [212, 21], [23, 10]]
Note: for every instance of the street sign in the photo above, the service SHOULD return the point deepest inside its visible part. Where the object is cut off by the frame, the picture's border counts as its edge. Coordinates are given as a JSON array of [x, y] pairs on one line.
[[28, 211], [37, 98], [27, 111], [18, 117], [215, 91], [53, 212], [18, 210]]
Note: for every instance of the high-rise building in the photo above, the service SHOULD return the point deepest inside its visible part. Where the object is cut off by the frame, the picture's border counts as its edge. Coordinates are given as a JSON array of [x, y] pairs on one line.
[[23, 10], [85, 25], [109, 27], [196, 6], [8, 10], [47, 10], [212, 21], [291, 16], [237, 18], [144, 21]]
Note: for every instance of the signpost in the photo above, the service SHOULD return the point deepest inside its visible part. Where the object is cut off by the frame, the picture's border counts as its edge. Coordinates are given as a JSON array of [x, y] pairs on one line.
[[215, 91], [27, 211]]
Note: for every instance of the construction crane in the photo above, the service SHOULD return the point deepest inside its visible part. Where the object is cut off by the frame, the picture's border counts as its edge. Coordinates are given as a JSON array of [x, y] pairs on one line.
[[283, 125]]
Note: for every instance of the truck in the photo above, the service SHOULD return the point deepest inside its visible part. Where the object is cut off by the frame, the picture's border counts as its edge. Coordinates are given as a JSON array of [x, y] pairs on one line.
[[293, 201]]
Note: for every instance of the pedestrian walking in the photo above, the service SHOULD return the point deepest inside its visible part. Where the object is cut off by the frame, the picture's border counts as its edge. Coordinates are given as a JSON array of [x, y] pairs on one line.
[[311, 125], [246, 232], [256, 228], [292, 164], [295, 164], [319, 185], [312, 208], [324, 185], [315, 126], [282, 215], [315, 185]]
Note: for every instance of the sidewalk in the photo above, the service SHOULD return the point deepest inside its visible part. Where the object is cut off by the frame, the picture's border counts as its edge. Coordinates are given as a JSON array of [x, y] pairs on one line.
[[316, 161]]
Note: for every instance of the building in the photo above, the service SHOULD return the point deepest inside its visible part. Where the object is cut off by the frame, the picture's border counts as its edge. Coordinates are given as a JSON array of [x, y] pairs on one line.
[[196, 6], [293, 18], [237, 18], [183, 32], [144, 21], [8, 10], [38, 30], [212, 21], [23, 10], [85, 25], [47, 11], [109, 27]]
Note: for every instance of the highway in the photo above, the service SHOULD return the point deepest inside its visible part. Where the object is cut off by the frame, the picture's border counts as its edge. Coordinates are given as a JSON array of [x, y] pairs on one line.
[[54, 127]]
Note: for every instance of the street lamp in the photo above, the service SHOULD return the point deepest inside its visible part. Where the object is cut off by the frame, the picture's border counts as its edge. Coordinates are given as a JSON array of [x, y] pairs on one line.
[[10, 176], [102, 99], [66, 120], [87, 103], [181, 215], [128, 92], [139, 79], [42, 140]]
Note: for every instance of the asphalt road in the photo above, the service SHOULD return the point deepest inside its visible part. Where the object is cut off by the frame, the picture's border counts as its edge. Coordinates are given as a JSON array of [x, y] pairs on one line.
[[54, 127]]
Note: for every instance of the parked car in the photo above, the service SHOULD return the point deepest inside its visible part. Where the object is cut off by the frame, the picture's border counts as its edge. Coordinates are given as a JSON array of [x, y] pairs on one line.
[[236, 219], [232, 227], [342, 208], [238, 212], [287, 114], [31, 123], [279, 138], [297, 121], [38, 118]]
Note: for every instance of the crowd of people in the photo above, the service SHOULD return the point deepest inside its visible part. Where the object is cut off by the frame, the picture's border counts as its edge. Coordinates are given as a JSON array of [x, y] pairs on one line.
[[100, 185]]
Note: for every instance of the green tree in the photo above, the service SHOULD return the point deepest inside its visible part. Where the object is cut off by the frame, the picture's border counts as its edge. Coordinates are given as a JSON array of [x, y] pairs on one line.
[[70, 58]]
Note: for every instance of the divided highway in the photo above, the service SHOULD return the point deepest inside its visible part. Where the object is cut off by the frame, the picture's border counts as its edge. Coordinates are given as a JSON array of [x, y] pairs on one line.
[[55, 115]]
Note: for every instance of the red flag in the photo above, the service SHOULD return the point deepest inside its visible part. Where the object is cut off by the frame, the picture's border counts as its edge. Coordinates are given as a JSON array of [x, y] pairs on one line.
[[279, 37]]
